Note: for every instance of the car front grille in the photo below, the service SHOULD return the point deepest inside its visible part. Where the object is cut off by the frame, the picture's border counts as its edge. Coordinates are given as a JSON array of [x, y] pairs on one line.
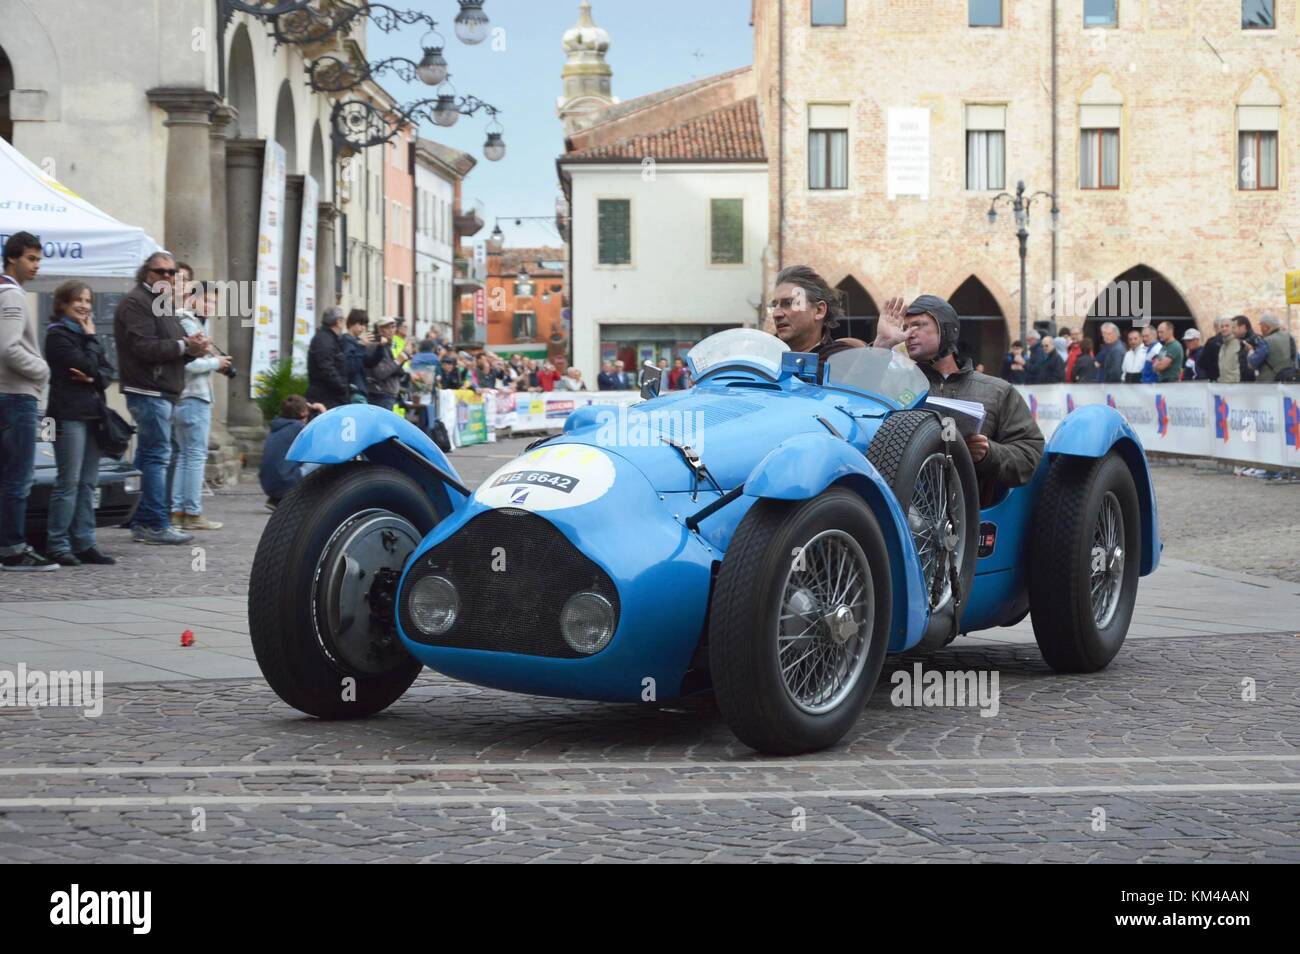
[[513, 571]]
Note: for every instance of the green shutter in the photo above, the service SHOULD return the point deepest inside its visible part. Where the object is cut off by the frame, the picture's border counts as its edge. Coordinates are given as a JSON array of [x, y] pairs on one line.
[[614, 230], [727, 241]]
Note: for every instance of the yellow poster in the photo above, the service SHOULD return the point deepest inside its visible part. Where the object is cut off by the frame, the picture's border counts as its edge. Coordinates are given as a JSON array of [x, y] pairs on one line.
[[1293, 288]]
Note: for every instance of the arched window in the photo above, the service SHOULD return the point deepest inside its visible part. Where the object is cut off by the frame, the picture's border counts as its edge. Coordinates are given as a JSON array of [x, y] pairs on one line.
[[286, 128], [1139, 292], [859, 309], [983, 336], [6, 84], [242, 84]]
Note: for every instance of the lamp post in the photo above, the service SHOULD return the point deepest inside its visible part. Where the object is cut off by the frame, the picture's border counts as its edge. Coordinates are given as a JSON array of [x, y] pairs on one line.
[[1020, 207]]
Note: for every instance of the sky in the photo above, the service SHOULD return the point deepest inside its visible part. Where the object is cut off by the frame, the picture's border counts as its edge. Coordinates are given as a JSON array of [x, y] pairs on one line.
[[652, 46]]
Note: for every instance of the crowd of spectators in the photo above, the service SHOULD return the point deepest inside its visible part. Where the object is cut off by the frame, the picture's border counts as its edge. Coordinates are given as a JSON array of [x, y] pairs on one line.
[[1235, 354]]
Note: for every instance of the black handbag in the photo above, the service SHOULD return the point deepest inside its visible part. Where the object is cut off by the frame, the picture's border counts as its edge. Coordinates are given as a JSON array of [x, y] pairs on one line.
[[112, 431]]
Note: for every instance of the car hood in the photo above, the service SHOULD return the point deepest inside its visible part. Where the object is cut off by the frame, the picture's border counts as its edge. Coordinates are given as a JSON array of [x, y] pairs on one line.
[[731, 428]]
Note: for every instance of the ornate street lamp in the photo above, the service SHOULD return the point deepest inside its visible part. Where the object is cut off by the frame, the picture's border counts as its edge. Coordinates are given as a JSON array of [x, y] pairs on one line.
[[472, 23], [304, 22], [1020, 206], [494, 148], [334, 74], [432, 68], [359, 124], [354, 122]]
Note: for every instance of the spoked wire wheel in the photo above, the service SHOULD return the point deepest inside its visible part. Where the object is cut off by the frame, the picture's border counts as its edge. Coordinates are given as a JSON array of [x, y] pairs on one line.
[[934, 482], [799, 621], [934, 514], [1107, 579], [827, 606]]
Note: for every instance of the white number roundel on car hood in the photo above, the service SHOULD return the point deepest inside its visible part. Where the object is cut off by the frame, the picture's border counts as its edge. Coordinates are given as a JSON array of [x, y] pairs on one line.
[[550, 478]]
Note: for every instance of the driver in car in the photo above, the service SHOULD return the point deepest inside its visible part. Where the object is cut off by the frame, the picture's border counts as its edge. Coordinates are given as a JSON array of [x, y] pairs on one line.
[[1009, 445], [805, 309]]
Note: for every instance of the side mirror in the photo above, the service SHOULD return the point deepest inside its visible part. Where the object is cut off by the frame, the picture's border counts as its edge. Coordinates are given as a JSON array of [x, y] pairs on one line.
[[654, 380]]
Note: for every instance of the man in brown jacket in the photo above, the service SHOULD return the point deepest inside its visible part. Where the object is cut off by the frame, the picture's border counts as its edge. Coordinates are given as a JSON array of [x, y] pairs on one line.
[[1009, 445], [152, 350]]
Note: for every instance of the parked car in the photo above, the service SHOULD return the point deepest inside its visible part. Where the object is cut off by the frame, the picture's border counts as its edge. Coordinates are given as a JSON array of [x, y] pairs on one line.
[[802, 523], [116, 496]]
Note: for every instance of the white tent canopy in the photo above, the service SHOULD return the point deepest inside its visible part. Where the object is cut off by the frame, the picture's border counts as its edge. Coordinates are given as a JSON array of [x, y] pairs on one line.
[[79, 240]]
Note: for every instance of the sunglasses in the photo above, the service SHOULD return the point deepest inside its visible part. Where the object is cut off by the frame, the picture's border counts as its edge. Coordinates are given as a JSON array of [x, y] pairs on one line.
[[162, 271]]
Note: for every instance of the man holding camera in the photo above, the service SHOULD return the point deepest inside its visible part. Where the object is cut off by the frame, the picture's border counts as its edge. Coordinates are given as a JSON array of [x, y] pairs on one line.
[[192, 419]]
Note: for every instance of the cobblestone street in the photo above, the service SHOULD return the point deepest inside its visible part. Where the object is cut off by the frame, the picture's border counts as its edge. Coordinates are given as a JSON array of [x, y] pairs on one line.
[[1158, 758]]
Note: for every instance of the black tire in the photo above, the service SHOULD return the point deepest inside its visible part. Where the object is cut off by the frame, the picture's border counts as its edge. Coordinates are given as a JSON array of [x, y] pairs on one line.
[[1061, 554], [286, 613], [744, 623], [903, 443]]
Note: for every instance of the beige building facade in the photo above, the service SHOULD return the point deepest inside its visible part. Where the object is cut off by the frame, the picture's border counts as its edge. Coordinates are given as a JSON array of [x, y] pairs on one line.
[[1166, 129]]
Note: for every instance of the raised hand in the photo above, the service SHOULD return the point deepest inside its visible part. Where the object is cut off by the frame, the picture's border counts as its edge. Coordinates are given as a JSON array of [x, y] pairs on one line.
[[889, 327]]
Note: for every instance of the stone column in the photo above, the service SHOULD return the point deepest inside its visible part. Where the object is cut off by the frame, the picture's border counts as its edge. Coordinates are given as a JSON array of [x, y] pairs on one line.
[[293, 186], [243, 207], [187, 216], [326, 257], [219, 327], [223, 120]]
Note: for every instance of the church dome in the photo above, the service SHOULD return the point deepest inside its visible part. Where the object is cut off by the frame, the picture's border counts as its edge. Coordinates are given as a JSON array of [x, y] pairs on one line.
[[585, 35]]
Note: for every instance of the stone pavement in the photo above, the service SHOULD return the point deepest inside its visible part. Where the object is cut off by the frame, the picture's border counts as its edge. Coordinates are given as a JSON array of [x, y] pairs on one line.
[[1160, 757]]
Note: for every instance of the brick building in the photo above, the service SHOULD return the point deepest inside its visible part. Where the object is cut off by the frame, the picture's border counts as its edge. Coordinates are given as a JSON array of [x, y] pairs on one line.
[[525, 297], [1165, 128]]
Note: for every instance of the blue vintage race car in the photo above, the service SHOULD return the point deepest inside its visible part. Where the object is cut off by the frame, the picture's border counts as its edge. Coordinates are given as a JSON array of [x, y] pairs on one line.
[[770, 534]]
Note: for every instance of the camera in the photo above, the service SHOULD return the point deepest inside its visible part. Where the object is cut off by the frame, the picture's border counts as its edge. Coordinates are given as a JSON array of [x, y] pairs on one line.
[[230, 371]]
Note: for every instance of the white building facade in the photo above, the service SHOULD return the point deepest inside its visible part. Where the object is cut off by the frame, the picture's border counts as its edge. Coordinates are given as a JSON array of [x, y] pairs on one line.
[[680, 274], [668, 221], [438, 170]]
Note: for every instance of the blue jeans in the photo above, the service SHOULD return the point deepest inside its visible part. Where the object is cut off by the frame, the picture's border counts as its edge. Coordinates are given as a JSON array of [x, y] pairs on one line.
[[72, 503], [153, 451], [190, 425], [17, 462]]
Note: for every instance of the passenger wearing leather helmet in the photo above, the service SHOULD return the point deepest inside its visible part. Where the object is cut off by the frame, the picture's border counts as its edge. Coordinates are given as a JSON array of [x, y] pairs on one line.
[[1009, 445]]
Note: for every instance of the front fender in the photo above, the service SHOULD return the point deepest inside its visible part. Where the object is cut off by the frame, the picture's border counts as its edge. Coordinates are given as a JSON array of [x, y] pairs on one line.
[[1092, 431], [350, 430], [803, 466]]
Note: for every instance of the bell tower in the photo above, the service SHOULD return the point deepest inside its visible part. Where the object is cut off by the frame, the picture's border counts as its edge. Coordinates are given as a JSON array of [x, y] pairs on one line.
[[586, 74]]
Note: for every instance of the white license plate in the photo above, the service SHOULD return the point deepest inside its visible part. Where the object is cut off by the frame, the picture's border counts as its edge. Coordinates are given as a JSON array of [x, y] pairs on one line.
[[99, 495]]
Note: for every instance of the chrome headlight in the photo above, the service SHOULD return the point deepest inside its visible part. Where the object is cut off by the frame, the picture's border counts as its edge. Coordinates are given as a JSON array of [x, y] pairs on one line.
[[587, 622], [434, 605], [131, 485]]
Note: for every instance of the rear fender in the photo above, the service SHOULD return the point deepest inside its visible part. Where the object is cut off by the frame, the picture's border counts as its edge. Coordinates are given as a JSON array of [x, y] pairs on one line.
[[805, 465], [1093, 430], [353, 430]]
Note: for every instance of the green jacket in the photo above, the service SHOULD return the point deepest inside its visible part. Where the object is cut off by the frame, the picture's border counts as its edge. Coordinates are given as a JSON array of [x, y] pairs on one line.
[[1015, 442]]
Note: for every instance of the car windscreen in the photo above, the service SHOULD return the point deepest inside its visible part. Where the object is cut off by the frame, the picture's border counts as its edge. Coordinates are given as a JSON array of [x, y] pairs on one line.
[[737, 346], [879, 371]]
